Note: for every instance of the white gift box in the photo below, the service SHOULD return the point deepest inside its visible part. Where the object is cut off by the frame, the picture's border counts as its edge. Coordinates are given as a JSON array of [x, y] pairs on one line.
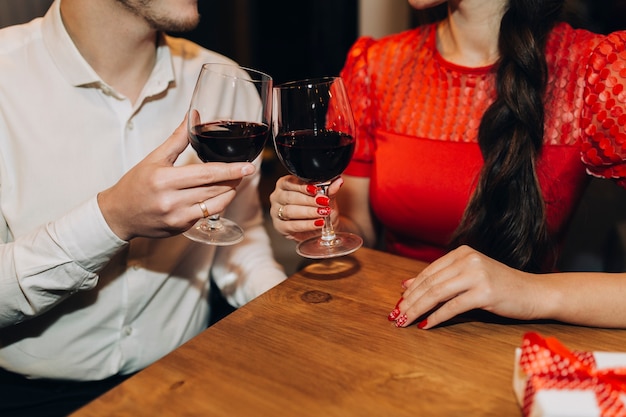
[[566, 402]]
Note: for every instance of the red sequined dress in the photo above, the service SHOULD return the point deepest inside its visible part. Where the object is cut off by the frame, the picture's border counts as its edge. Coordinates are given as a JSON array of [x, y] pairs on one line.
[[418, 117]]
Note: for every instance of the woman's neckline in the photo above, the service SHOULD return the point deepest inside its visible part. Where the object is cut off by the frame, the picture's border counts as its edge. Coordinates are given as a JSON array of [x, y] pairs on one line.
[[432, 43]]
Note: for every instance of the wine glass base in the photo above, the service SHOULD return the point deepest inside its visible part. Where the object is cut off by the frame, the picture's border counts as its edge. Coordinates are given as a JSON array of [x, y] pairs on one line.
[[222, 232], [317, 248]]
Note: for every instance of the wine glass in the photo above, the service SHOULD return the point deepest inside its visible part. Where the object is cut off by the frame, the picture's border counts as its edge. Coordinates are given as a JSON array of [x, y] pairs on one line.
[[313, 132], [229, 121]]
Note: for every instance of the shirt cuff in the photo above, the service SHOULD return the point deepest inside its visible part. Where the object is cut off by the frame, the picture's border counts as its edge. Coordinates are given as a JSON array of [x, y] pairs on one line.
[[86, 236]]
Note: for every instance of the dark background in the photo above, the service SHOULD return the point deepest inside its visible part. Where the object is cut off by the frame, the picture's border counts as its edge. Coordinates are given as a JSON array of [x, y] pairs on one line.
[[287, 39], [293, 39]]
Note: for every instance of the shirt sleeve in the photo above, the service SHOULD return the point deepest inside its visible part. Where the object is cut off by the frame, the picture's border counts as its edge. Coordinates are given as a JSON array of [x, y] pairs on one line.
[[247, 269], [359, 85], [45, 266], [603, 118]]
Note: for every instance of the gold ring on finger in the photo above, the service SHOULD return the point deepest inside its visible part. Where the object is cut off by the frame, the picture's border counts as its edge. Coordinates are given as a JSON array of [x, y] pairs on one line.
[[281, 216], [205, 212]]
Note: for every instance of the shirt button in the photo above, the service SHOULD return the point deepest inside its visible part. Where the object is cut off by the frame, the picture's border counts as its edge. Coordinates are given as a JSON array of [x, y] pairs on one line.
[[128, 330], [130, 125]]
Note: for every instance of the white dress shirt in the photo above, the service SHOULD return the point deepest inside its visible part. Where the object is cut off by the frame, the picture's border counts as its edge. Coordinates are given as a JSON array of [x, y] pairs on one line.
[[76, 302]]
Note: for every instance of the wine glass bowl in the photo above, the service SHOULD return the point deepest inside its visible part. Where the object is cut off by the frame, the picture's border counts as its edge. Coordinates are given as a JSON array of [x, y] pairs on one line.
[[228, 141], [315, 156], [228, 121], [314, 138]]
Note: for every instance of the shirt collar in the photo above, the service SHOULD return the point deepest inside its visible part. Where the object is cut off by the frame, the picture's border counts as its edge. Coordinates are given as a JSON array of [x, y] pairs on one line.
[[79, 73]]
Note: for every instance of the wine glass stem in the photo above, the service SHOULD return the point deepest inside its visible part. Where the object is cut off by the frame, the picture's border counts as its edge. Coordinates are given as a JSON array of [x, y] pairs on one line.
[[328, 233], [212, 223]]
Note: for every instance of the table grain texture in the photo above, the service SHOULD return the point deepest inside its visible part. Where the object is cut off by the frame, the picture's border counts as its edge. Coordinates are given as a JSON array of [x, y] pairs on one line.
[[320, 344]]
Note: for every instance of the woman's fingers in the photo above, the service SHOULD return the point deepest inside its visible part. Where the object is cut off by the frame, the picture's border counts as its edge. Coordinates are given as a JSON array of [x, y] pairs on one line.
[[297, 208], [460, 281]]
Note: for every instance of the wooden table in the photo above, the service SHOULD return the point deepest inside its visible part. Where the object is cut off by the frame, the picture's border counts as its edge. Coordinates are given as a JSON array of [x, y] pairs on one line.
[[320, 344]]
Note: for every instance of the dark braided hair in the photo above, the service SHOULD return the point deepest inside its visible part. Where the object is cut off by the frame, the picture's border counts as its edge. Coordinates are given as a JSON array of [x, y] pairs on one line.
[[506, 216]]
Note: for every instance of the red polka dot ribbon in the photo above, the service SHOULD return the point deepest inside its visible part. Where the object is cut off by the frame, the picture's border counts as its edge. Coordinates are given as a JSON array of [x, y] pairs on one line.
[[550, 365]]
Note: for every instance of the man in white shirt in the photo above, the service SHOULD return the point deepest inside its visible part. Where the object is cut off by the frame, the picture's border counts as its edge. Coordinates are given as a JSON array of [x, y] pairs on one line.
[[96, 281]]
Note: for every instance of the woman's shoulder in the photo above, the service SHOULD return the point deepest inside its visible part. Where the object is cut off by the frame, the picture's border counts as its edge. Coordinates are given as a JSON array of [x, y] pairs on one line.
[[581, 44], [602, 118], [411, 38], [381, 55]]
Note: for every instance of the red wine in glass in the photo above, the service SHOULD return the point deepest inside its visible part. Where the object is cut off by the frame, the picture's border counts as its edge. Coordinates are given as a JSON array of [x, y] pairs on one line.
[[315, 156], [228, 121], [228, 141], [313, 132]]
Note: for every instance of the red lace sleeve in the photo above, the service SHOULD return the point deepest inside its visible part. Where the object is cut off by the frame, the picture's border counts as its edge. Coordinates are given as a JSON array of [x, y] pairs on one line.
[[604, 113], [358, 82]]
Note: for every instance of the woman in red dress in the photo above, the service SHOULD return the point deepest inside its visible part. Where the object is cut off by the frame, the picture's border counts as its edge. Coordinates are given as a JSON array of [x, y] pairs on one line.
[[476, 132]]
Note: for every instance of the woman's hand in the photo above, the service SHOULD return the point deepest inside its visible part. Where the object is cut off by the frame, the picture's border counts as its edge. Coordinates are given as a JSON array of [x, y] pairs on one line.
[[463, 280], [297, 208]]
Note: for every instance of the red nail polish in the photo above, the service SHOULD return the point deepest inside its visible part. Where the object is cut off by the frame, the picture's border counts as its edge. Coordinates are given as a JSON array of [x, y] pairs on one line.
[[311, 189], [319, 222], [399, 301], [404, 283], [322, 200], [401, 320], [323, 211], [394, 314], [422, 324]]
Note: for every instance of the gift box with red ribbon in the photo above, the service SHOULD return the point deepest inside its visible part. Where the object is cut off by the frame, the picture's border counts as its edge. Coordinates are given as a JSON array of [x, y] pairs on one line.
[[550, 380]]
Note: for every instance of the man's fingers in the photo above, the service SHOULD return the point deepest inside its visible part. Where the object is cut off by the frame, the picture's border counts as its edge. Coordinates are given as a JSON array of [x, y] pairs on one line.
[[218, 172]]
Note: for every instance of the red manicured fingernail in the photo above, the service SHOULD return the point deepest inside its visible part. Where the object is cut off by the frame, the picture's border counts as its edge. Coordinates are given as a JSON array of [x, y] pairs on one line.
[[311, 189], [323, 211], [422, 324], [400, 321], [399, 301], [319, 222], [404, 283], [394, 314], [322, 200]]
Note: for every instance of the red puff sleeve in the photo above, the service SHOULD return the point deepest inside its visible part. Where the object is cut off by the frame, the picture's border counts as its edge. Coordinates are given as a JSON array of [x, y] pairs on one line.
[[603, 118], [358, 83]]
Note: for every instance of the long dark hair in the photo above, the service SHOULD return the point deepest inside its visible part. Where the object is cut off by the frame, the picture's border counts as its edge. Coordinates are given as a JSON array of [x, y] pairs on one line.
[[506, 216]]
